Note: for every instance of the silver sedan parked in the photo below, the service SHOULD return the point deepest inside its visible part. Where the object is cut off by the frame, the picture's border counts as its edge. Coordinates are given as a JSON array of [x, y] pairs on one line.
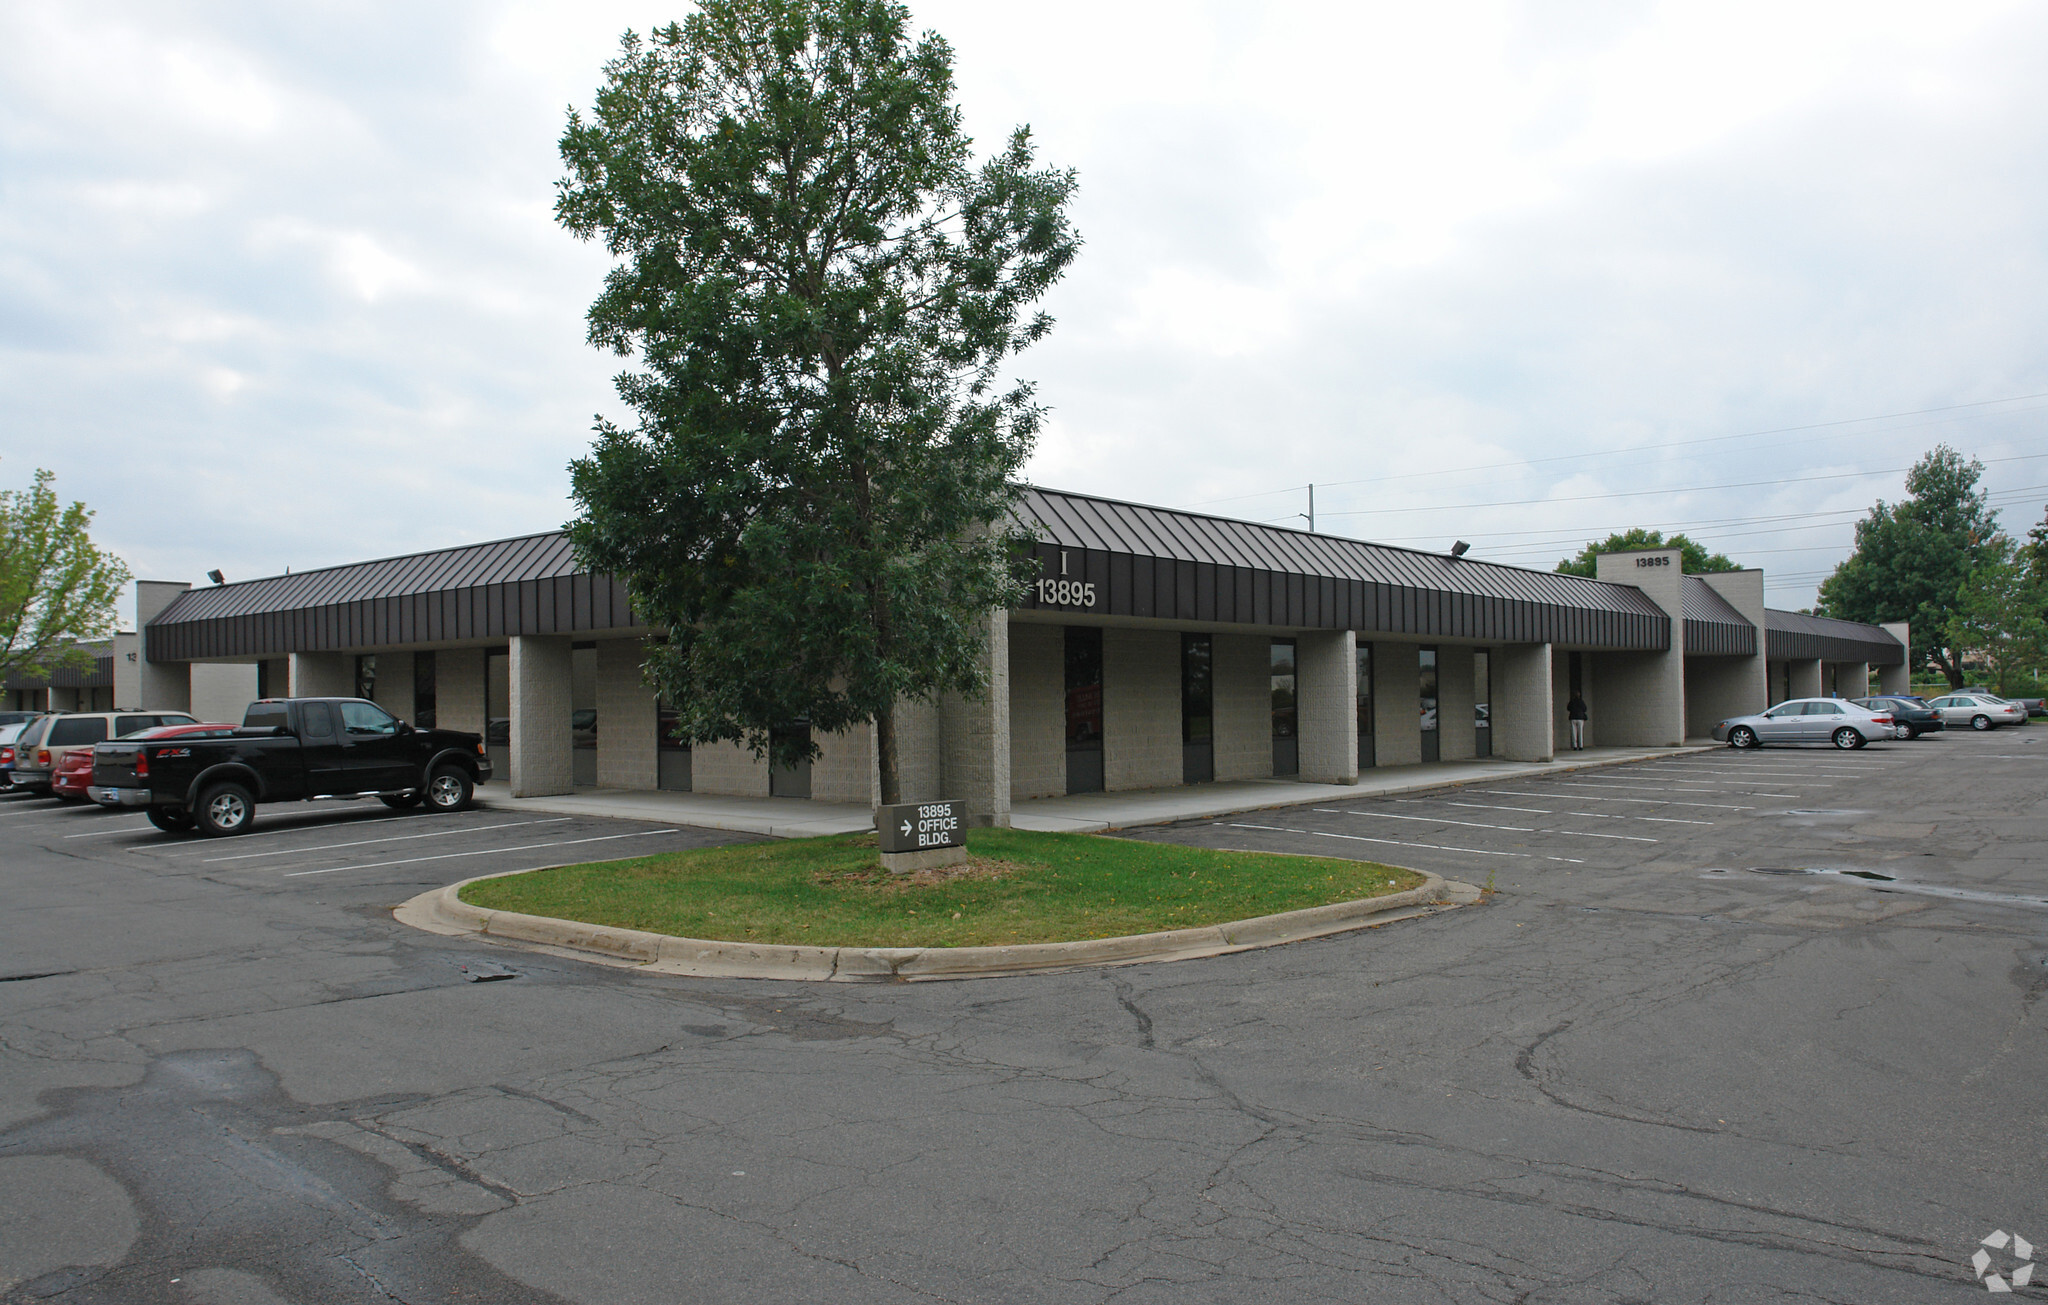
[[1980, 711], [1807, 720]]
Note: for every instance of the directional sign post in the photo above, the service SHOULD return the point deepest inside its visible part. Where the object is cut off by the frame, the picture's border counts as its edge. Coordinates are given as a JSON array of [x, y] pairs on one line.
[[921, 835]]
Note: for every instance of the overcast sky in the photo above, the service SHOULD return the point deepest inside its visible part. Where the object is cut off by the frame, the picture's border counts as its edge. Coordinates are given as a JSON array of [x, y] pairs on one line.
[[280, 284]]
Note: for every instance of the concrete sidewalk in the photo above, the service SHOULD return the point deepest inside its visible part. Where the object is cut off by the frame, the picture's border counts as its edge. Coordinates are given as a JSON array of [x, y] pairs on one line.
[[1078, 813]]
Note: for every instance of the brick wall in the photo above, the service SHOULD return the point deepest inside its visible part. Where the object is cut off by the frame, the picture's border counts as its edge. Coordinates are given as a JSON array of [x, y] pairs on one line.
[[392, 689], [223, 691], [541, 738], [626, 717], [1524, 727], [1140, 709], [1397, 703], [845, 768], [728, 769], [459, 690], [1326, 680], [1455, 739], [974, 733], [1244, 706], [1038, 710]]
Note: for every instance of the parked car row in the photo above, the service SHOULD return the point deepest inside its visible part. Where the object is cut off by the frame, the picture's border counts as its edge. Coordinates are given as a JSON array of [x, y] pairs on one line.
[[1853, 723]]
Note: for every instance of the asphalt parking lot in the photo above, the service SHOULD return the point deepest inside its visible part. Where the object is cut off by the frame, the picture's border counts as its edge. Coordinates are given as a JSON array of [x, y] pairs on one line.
[[1687, 1051]]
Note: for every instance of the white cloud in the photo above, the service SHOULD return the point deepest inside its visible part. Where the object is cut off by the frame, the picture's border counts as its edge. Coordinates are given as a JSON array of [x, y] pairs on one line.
[[1365, 245]]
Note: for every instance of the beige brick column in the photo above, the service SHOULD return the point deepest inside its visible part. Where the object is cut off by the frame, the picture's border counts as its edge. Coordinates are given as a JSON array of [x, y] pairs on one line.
[[322, 675], [1397, 704], [393, 687], [1140, 709], [1038, 711], [975, 734], [626, 723], [1642, 694], [1852, 679], [1744, 682], [459, 690], [1456, 737], [159, 686], [1326, 694], [1805, 678], [541, 738], [1522, 707], [1899, 678]]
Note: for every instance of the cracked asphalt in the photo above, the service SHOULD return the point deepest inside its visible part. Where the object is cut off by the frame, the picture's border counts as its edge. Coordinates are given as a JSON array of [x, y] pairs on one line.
[[1692, 1049]]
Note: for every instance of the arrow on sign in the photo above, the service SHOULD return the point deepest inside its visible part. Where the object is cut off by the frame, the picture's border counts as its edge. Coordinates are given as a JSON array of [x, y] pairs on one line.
[[906, 829]]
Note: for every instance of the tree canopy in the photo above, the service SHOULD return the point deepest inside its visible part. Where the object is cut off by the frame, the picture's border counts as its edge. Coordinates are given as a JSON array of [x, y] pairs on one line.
[[57, 590], [2001, 611], [820, 288], [1693, 556], [1913, 558]]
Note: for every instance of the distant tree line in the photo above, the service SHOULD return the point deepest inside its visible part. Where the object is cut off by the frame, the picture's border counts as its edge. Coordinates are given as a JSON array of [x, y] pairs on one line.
[[1936, 559]]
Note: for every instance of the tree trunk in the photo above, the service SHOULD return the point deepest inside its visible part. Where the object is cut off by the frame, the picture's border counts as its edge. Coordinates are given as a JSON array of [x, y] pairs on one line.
[[885, 755]]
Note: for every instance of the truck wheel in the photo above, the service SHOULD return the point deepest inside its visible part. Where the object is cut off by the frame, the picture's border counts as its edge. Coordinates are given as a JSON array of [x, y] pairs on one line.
[[449, 789], [225, 809], [172, 820], [400, 801]]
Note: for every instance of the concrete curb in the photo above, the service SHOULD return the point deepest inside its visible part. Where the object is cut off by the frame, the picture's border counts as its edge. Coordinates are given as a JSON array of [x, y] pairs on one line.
[[442, 911]]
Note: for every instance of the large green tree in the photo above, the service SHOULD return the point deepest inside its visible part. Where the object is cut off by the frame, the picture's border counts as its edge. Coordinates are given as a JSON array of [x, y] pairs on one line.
[[2000, 610], [1913, 557], [1693, 556], [57, 590], [820, 288]]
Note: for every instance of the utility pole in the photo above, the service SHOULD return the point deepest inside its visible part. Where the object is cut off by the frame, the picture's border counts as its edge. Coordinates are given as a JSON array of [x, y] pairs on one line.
[[1311, 508]]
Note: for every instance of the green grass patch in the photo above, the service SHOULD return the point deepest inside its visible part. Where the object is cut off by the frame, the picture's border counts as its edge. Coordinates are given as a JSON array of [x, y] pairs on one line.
[[1019, 887]]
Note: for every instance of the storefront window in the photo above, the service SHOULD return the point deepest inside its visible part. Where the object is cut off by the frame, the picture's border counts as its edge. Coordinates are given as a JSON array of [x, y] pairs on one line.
[[1365, 741], [1286, 718], [1084, 709]]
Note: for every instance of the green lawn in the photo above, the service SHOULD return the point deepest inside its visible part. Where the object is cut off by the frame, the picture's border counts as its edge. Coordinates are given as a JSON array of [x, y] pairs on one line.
[[1019, 888]]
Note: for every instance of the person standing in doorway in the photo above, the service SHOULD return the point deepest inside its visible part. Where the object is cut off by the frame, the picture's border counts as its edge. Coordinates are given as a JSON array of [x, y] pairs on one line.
[[1575, 711]]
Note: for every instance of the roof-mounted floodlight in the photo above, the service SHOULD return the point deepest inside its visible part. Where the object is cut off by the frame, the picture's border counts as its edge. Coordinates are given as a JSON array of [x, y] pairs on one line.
[[1460, 548], [216, 577]]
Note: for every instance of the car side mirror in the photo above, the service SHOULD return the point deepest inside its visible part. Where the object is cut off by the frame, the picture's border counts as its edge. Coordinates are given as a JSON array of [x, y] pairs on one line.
[[404, 728]]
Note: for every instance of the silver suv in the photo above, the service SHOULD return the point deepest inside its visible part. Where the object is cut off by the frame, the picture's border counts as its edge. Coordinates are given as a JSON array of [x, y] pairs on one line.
[[46, 739]]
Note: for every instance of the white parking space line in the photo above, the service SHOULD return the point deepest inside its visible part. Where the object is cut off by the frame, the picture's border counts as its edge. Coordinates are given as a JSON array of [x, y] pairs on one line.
[[1389, 842], [125, 829], [1575, 815], [1579, 833], [482, 851], [395, 838], [288, 829], [1481, 806], [1651, 788], [1653, 802], [1430, 820]]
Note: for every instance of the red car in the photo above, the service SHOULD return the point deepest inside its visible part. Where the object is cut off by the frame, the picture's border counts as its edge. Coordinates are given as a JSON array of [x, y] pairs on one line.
[[72, 776], [72, 780]]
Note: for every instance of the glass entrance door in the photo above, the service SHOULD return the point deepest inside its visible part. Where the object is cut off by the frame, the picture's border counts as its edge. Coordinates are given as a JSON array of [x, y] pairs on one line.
[[1286, 711], [1431, 750], [1482, 702], [1365, 748], [790, 781], [1084, 709], [1197, 709]]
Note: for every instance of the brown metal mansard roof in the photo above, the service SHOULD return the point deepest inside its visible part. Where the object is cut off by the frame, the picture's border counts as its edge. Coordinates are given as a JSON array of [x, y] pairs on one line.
[[1141, 561], [528, 585], [1795, 636], [1184, 566], [1713, 626]]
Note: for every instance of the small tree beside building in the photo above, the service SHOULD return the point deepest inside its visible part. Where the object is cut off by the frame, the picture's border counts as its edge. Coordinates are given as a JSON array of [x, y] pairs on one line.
[[57, 589], [819, 288], [1914, 558]]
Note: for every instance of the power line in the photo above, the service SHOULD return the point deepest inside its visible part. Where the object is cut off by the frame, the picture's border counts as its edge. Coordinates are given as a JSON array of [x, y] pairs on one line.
[[1667, 444], [1639, 493]]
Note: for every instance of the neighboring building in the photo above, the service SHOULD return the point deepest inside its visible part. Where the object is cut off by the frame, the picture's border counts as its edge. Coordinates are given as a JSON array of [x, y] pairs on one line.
[[1157, 648], [68, 688]]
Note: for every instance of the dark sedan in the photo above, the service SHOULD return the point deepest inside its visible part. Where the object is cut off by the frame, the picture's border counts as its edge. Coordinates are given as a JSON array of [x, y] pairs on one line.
[[1910, 717]]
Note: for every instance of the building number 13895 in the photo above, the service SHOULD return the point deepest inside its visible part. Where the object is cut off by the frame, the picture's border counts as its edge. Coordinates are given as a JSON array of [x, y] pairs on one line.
[[1066, 593]]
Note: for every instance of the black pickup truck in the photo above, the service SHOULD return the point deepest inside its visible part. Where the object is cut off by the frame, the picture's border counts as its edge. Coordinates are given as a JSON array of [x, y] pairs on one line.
[[287, 750]]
